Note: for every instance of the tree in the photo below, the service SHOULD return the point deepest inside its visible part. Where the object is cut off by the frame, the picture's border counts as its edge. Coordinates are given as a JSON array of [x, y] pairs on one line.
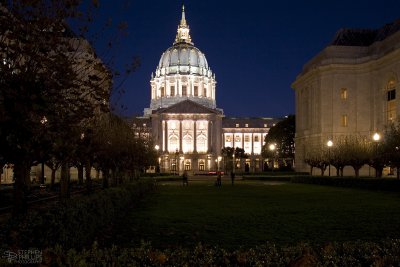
[[390, 147], [282, 135], [44, 77]]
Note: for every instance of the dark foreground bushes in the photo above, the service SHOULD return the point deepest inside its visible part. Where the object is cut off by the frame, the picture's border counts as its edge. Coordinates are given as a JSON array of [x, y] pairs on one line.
[[385, 253], [384, 184], [73, 223]]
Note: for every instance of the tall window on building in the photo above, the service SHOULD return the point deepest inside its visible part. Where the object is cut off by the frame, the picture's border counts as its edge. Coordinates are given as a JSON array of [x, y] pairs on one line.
[[391, 101], [184, 90], [172, 89], [205, 92], [343, 93], [187, 144], [344, 121], [196, 90], [173, 143], [162, 91]]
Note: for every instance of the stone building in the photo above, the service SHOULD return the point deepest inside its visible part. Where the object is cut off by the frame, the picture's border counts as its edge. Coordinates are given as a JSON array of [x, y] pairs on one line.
[[187, 128], [349, 88]]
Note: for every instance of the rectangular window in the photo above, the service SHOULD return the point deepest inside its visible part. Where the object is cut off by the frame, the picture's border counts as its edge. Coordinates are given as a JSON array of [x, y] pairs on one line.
[[172, 90], [343, 93], [237, 138], [247, 138], [184, 90], [237, 125], [205, 92], [196, 90], [265, 125], [256, 138], [162, 92], [391, 95], [344, 121], [246, 125], [227, 138]]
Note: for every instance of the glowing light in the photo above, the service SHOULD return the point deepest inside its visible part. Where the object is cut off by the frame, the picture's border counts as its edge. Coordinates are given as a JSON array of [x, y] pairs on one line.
[[329, 143], [272, 147], [376, 137]]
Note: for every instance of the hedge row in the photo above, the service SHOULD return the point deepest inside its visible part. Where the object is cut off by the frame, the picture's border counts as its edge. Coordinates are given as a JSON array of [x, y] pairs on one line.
[[385, 253], [73, 223], [384, 184], [268, 178]]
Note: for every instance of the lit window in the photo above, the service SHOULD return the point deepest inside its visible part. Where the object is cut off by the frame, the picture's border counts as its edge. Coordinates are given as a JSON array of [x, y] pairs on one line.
[[184, 90], [246, 125], [237, 125], [343, 93], [256, 138], [344, 120], [196, 90], [265, 125], [144, 124], [237, 138], [227, 138], [172, 90], [247, 138]]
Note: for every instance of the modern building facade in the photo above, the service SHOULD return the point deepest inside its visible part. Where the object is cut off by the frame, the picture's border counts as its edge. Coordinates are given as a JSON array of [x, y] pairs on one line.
[[188, 128], [349, 88]]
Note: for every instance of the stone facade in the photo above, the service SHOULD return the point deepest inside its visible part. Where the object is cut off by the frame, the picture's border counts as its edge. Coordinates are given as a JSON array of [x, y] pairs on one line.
[[349, 88]]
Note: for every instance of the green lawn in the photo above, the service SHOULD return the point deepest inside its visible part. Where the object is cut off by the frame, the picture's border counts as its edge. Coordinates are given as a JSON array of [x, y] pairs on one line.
[[253, 212]]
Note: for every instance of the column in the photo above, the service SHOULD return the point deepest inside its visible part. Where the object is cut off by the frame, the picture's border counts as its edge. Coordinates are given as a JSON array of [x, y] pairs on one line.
[[166, 135], [195, 137], [252, 143], [180, 136]]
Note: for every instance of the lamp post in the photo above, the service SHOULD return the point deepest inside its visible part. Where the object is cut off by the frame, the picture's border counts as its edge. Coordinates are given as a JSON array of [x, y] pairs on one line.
[[376, 138], [234, 163], [219, 159], [272, 148], [157, 148], [176, 161], [43, 121], [329, 144]]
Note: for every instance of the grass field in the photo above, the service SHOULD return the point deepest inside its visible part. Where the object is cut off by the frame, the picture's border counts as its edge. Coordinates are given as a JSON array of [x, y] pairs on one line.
[[253, 212]]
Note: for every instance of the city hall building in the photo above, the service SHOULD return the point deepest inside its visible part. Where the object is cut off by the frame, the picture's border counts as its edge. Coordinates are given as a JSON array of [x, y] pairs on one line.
[[183, 119], [349, 88]]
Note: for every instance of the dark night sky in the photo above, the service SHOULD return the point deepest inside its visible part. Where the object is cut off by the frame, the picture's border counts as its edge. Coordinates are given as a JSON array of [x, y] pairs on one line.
[[256, 48]]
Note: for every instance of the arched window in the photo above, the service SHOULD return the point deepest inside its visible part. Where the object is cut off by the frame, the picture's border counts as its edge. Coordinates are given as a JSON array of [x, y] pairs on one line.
[[187, 144], [173, 143], [201, 144]]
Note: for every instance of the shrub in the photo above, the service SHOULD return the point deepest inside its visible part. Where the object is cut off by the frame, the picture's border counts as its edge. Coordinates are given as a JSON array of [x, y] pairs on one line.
[[75, 222], [363, 183], [384, 253]]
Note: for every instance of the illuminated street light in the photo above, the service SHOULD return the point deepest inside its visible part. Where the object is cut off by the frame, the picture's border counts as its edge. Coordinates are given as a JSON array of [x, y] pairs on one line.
[[272, 148], [376, 138], [157, 147], [329, 144], [219, 159]]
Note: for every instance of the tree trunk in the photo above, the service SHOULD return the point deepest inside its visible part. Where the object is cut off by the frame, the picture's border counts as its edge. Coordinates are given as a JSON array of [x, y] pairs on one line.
[[398, 172], [53, 178], [88, 169], [20, 172], [356, 171], [311, 169], [337, 171], [80, 174], [106, 174], [1, 173], [64, 181]]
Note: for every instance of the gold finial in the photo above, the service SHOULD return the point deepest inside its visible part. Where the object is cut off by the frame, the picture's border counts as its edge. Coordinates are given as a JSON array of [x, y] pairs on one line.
[[183, 35]]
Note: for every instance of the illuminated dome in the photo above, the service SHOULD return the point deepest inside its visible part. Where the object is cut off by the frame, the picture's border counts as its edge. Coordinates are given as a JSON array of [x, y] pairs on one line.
[[182, 73], [183, 58]]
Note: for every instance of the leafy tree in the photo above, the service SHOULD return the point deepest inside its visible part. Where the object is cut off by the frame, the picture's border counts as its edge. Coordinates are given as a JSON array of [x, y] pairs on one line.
[[390, 147], [282, 135], [45, 75]]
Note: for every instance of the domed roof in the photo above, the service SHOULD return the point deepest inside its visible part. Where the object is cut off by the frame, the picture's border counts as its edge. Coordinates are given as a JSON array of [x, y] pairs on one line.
[[183, 55]]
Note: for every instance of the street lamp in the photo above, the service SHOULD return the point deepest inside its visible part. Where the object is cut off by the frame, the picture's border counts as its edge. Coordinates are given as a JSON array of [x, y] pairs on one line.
[[219, 159], [329, 144], [376, 138], [272, 148], [43, 121], [176, 161], [234, 163], [157, 147]]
